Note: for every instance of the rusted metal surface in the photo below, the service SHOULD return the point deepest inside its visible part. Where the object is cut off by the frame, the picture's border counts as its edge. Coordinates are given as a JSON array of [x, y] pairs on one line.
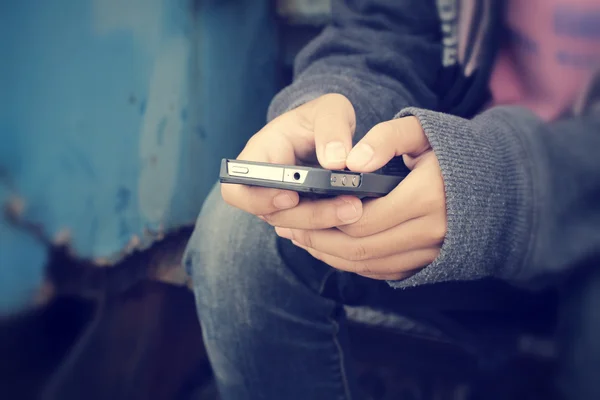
[[114, 115]]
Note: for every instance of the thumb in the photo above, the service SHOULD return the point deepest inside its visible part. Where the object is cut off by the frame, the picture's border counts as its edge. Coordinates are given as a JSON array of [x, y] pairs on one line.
[[333, 126], [385, 141]]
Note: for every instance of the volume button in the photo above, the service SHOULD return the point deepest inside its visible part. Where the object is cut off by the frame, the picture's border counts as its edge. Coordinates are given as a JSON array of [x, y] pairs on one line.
[[239, 170]]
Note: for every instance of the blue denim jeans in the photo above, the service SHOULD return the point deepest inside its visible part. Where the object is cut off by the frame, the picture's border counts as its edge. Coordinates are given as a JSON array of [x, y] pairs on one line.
[[272, 317]]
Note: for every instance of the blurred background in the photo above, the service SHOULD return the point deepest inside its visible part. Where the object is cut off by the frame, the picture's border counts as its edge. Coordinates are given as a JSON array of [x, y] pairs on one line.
[[114, 115]]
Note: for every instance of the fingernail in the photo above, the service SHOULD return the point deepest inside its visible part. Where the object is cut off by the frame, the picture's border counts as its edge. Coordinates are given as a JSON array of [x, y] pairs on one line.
[[347, 212], [283, 201], [285, 233], [335, 152], [360, 155]]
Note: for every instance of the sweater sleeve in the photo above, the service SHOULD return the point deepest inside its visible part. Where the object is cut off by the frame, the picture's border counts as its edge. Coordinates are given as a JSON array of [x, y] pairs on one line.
[[522, 196], [383, 55]]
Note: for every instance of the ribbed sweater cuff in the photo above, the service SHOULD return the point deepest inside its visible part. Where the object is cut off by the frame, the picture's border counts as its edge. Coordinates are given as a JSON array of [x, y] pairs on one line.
[[488, 197]]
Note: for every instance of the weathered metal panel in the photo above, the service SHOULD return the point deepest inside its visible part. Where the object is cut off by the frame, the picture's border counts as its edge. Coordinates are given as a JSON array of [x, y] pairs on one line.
[[115, 113], [22, 259]]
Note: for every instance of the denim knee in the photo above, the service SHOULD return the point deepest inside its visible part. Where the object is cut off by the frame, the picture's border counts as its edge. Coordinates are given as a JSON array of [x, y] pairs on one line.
[[233, 257], [255, 307], [227, 244]]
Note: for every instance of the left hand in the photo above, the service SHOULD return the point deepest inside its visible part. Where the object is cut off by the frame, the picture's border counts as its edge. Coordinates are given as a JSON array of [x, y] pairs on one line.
[[397, 234]]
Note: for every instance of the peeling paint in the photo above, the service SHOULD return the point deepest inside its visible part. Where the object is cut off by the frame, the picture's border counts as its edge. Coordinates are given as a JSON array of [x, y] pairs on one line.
[[102, 262], [133, 244], [45, 293], [62, 238], [15, 207]]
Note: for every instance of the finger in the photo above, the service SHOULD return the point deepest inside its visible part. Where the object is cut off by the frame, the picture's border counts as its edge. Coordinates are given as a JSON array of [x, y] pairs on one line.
[[386, 141], [390, 277], [318, 214], [426, 158], [392, 266], [413, 235], [256, 200], [270, 146], [333, 124], [421, 193]]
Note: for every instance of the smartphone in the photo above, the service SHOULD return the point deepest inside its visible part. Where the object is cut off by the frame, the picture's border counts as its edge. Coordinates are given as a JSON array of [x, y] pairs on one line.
[[309, 180]]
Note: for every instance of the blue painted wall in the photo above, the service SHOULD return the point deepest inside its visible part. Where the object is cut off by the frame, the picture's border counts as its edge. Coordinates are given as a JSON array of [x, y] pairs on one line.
[[114, 115]]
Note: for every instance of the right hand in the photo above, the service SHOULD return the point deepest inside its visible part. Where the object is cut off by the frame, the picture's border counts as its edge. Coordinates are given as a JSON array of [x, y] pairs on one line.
[[321, 128]]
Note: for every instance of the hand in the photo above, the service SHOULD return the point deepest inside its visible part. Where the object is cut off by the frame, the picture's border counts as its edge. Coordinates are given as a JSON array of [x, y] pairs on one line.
[[397, 234], [321, 128]]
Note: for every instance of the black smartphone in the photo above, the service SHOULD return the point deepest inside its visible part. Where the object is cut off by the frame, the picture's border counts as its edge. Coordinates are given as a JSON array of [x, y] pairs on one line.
[[309, 180]]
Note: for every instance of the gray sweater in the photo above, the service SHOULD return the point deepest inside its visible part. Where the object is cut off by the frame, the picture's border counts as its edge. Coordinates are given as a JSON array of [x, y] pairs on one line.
[[523, 196]]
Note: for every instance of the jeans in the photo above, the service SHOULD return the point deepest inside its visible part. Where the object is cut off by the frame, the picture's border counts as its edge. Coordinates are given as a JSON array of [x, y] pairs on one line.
[[273, 320]]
